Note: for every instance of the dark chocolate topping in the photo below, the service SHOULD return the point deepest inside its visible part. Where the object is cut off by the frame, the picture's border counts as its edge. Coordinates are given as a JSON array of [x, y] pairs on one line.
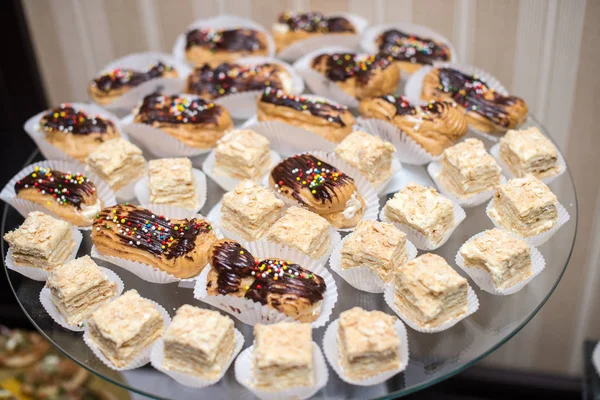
[[156, 234], [404, 47], [178, 110], [271, 276], [239, 39], [68, 120], [64, 188], [319, 108], [404, 106], [342, 66], [120, 77], [315, 22]]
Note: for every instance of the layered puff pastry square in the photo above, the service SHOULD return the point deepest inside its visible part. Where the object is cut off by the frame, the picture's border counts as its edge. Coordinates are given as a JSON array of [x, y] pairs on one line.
[[422, 209], [41, 241], [379, 246], [468, 169], [250, 210], [303, 230], [525, 206], [368, 343], [429, 292], [528, 151], [118, 162], [243, 154], [78, 287], [123, 328], [171, 181], [506, 258], [283, 356], [369, 154], [198, 342]]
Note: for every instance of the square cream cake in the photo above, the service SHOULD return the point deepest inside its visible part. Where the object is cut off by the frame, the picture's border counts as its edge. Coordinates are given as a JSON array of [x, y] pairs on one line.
[[528, 151], [118, 162], [243, 154], [171, 181]]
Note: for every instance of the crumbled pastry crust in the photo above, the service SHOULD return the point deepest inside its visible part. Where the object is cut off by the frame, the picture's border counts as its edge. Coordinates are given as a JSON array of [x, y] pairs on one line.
[[118, 162], [528, 151], [171, 181], [243, 154]]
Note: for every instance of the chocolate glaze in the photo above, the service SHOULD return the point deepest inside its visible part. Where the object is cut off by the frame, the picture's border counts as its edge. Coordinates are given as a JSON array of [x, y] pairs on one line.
[[68, 120], [233, 263], [329, 111], [342, 66], [404, 107], [240, 39], [174, 109], [64, 188], [315, 22], [121, 77], [308, 168], [154, 231], [405, 47]]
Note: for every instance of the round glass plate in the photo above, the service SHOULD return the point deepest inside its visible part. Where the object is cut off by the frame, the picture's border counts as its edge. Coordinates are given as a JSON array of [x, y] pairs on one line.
[[433, 357]]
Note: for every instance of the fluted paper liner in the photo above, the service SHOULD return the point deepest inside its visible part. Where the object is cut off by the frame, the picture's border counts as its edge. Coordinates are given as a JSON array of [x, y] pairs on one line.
[[417, 238], [229, 183], [24, 207], [142, 193], [596, 358], [301, 47], [540, 238], [396, 167], [363, 278], [141, 62], [472, 306], [407, 150], [251, 312], [435, 168], [330, 347], [46, 300], [40, 274], [244, 374], [483, 279], [562, 165], [141, 359], [157, 357]]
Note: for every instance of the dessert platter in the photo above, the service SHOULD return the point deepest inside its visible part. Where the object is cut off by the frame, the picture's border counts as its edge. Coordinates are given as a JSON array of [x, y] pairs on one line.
[[365, 240]]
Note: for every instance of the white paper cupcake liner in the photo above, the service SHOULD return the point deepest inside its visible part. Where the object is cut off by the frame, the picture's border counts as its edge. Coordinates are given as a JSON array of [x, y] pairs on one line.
[[250, 312], [330, 347], [157, 357], [40, 274], [141, 62], [141, 359], [127, 192], [226, 182], [220, 22], [541, 238], [396, 168], [363, 278], [24, 207], [418, 239], [495, 152], [435, 168], [596, 358], [472, 306], [46, 300], [244, 374], [142, 193], [305, 46], [407, 150], [483, 279]]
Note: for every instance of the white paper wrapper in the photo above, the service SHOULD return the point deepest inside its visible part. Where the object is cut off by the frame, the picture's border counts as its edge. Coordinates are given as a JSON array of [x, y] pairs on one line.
[[420, 240], [24, 207], [362, 278], [472, 306], [484, 280], [305, 46], [250, 312], [157, 357], [407, 150], [142, 193], [226, 182], [495, 151], [396, 167], [220, 22], [51, 152], [127, 192], [330, 347], [141, 359], [541, 238], [435, 168], [141, 62], [596, 358], [244, 367], [46, 300], [39, 274]]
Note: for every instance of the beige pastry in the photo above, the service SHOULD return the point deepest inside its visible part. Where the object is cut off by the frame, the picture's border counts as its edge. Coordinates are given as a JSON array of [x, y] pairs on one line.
[[171, 181], [243, 154], [117, 162], [528, 151]]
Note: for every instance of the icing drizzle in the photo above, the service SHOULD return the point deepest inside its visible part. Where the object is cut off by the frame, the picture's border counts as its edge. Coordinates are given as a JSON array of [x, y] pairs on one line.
[[342, 66], [315, 22], [68, 120], [418, 50], [405, 107], [176, 109], [121, 77], [239, 39]]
